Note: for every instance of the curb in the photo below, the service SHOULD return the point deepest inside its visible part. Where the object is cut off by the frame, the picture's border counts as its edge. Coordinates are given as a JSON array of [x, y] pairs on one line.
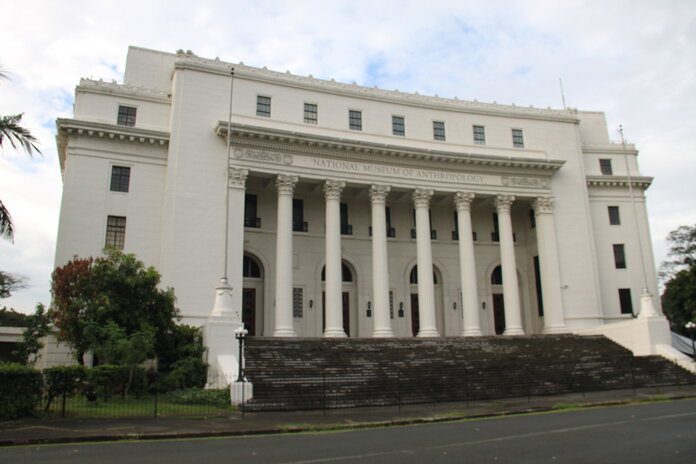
[[324, 428]]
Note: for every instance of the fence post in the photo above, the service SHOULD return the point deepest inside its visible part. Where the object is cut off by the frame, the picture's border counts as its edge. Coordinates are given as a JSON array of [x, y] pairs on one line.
[[398, 388], [323, 388], [633, 376], [62, 406], [154, 408], [529, 384], [241, 405], [466, 385]]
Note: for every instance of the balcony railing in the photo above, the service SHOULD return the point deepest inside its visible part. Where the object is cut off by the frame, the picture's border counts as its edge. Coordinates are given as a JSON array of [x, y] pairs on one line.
[[495, 237], [433, 234], [346, 229], [300, 226], [391, 232], [253, 222], [455, 235]]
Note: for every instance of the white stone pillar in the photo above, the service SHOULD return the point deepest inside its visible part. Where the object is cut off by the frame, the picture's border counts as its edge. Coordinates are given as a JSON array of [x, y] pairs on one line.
[[380, 263], [426, 290], [283, 284], [467, 265], [554, 320], [333, 302], [228, 295], [511, 292]]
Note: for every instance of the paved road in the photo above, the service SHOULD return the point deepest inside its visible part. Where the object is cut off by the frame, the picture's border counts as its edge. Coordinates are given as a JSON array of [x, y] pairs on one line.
[[649, 433]]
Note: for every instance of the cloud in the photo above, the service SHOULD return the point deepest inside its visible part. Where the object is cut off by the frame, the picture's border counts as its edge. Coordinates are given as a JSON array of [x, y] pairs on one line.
[[633, 60]]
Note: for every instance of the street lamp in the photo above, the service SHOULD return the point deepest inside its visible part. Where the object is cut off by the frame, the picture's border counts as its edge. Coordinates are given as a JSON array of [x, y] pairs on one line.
[[240, 334], [690, 326]]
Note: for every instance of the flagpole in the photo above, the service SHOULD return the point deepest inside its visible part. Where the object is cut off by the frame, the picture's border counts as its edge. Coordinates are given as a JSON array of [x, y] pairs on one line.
[[227, 170]]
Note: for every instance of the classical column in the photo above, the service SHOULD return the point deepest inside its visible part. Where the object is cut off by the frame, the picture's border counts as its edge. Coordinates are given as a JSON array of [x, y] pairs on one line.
[[511, 293], [554, 320], [333, 302], [380, 263], [426, 290], [467, 265], [283, 284]]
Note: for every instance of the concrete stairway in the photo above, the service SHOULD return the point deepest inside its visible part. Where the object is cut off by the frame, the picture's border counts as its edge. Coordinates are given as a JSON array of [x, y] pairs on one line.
[[320, 373]]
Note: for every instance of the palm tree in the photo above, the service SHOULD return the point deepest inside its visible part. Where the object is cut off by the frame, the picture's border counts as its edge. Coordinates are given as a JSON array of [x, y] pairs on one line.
[[19, 137]]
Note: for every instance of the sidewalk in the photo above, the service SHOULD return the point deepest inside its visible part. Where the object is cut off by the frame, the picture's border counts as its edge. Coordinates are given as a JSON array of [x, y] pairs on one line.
[[43, 431]]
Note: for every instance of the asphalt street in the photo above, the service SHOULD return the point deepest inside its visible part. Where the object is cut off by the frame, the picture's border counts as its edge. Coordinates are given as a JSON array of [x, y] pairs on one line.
[[663, 432]]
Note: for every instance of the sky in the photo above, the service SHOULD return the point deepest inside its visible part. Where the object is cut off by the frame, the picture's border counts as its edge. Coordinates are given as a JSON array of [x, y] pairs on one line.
[[634, 60]]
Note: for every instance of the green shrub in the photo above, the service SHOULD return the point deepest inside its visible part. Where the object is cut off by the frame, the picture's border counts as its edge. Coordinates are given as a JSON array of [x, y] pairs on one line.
[[186, 373], [211, 397], [63, 380], [20, 390], [109, 380]]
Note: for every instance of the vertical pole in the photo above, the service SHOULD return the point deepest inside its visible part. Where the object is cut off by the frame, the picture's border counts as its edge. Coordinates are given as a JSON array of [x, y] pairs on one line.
[[62, 406], [227, 167], [155, 404]]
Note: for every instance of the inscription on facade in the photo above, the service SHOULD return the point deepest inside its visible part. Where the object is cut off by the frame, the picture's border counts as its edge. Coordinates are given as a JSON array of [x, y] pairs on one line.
[[266, 156], [524, 182]]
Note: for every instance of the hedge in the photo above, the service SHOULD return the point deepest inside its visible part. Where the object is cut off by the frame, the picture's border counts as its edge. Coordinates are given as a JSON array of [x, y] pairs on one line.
[[108, 380], [63, 380], [20, 390]]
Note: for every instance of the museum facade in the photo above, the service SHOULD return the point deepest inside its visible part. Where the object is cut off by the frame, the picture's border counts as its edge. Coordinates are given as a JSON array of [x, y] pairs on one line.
[[339, 210]]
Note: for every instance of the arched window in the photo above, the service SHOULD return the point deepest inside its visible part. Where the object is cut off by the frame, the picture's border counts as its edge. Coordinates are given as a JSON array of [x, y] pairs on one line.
[[413, 277], [250, 268], [497, 276], [346, 274]]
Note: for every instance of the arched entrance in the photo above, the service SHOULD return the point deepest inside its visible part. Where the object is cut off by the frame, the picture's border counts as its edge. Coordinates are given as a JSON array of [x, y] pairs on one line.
[[439, 301], [252, 295], [348, 298]]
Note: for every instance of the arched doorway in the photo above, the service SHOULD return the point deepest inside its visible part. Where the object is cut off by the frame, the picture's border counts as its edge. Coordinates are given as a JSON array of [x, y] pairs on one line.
[[252, 295], [498, 302], [439, 301], [348, 298]]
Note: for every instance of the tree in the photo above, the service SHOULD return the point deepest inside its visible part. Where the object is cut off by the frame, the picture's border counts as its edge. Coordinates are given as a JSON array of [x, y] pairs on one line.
[[37, 328], [679, 295], [116, 288], [10, 283], [19, 137]]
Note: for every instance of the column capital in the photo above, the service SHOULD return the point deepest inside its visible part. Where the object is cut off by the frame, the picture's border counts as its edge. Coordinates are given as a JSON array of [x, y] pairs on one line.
[[236, 178], [378, 193], [333, 188], [286, 184], [462, 200], [421, 197], [543, 205], [503, 203]]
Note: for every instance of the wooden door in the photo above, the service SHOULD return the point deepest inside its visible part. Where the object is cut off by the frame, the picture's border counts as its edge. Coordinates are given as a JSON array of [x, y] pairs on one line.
[[249, 310], [415, 320], [499, 313]]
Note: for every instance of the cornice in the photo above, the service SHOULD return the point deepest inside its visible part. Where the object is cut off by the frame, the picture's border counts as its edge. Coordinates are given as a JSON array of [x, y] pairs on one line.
[[610, 149], [641, 182], [73, 127], [291, 141], [122, 90], [188, 60]]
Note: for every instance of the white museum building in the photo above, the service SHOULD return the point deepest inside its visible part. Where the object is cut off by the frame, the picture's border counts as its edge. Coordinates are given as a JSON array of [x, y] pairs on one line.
[[339, 210]]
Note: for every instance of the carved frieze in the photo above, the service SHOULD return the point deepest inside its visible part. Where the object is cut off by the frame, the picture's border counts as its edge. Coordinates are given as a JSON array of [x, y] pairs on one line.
[[263, 156], [516, 181]]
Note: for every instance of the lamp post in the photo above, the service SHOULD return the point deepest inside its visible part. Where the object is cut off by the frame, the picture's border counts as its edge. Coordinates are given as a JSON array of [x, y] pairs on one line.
[[690, 326], [240, 334]]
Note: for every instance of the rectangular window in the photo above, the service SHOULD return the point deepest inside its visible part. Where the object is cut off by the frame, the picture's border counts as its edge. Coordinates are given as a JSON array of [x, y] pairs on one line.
[[263, 106], [355, 120], [614, 218], [120, 178], [297, 302], [251, 211], [495, 236], [438, 130], [517, 138], [115, 232], [625, 302], [298, 222], [346, 229], [126, 116], [398, 125], [391, 232], [455, 232], [311, 113], [537, 280], [532, 218], [479, 135], [605, 167], [619, 256]]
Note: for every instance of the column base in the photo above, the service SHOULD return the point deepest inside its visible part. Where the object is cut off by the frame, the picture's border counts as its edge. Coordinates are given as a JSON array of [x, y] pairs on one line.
[[382, 333], [334, 333], [423, 333], [472, 332], [284, 332], [647, 305], [556, 329], [514, 331]]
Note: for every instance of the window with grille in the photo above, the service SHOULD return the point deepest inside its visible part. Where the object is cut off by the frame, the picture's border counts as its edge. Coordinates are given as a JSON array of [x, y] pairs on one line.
[[479, 135], [311, 113], [355, 120], [619, 256], [263, 106], [297, 302], [398, 125], [517, 138], [126, 116], [115, 232], [605, 167], [120, 178], [438, 130], [614, 217]]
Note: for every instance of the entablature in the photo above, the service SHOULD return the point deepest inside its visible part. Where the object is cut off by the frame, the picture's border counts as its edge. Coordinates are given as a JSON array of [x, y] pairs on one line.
[[122, 90], [641, 182]]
